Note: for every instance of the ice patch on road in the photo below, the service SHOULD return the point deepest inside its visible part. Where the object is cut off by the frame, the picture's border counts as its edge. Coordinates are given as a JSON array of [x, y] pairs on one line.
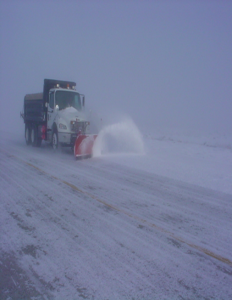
[[119, 138]]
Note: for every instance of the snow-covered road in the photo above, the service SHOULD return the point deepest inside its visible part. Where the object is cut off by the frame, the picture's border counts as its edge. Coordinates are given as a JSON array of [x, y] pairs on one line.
[[109, 228]]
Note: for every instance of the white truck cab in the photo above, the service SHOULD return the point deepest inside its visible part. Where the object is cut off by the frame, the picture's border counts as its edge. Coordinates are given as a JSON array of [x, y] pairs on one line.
[[65, 117]]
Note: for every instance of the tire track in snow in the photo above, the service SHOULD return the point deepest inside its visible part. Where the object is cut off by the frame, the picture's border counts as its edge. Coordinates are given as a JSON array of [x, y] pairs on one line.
[[206, 213], [109, 268], [125, 212], [176, 271], [182, 213]]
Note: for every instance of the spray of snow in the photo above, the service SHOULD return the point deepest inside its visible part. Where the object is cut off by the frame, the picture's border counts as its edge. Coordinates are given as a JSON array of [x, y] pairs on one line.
[[119, 138]]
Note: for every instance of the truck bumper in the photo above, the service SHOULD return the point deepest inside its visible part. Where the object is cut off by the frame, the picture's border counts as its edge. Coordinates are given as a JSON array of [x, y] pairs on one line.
[[67, 138]]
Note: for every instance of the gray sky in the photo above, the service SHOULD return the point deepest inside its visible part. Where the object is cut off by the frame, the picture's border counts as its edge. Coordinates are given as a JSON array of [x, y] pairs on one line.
[[165, 63]]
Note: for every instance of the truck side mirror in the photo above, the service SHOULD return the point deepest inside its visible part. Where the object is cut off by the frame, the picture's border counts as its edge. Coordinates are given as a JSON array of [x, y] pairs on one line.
[[83, 101], [82, 97]]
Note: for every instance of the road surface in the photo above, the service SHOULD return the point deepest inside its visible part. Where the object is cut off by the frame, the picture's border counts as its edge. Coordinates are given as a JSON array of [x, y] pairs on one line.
[[98, 229]]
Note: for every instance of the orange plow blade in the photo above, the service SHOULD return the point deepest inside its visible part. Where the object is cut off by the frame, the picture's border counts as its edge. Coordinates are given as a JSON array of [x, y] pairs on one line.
[[84, 145]]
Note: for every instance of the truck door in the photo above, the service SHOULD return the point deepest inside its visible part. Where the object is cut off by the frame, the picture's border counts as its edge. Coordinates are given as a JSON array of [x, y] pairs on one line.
[[51, 114]]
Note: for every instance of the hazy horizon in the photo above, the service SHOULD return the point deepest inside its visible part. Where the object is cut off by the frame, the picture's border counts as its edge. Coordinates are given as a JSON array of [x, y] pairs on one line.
[[166, 64]]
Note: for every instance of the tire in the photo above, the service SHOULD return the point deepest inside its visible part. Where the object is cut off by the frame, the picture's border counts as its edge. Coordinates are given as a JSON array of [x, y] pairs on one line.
[[35, 140], [55, 142], [28, 134], [33, 136]]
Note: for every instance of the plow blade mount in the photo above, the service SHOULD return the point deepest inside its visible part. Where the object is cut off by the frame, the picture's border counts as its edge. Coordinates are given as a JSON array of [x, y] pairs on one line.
[[84, 145]]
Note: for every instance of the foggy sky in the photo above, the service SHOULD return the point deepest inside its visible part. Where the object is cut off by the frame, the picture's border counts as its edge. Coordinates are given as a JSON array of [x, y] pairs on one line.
[[164, 63]]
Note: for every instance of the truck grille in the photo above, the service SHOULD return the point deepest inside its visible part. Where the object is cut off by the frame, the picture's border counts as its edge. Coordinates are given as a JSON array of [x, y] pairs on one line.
[[79, 126]]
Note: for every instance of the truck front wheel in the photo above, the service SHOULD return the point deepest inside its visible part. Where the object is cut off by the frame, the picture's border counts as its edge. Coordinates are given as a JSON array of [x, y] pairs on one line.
[[28, 134], [55, 142]]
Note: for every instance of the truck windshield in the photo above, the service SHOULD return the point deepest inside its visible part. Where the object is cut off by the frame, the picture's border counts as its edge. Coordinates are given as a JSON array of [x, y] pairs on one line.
[[67, 99]]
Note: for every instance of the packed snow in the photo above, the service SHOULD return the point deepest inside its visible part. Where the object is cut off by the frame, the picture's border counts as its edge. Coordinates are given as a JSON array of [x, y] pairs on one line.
[[149, 216]]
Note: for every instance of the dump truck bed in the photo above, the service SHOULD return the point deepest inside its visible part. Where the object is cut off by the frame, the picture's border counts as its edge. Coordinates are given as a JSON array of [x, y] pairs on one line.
[[34, 107]]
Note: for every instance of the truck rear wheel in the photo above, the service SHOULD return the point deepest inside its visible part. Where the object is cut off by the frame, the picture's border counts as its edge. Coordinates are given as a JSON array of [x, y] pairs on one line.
[[35, 140], [33, 136], [27, 134]]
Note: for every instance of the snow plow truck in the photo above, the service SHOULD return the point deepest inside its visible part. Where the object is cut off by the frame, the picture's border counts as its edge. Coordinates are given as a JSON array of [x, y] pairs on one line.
[[57, 116]]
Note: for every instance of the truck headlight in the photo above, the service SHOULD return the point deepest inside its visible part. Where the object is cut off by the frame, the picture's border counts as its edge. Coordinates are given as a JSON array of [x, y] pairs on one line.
[[62, 126]]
